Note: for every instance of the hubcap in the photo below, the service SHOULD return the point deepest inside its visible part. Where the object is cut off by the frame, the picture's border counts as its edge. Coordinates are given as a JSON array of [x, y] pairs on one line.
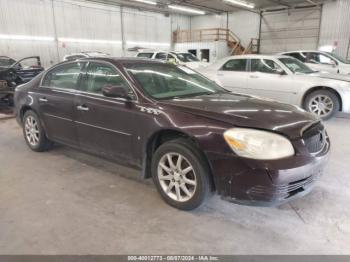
[[321, 105], [32, 131], [177, 177]]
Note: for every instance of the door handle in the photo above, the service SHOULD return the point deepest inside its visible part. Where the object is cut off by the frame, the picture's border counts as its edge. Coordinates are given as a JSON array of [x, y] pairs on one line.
[[82, 108], [43, 99], [253, 76]]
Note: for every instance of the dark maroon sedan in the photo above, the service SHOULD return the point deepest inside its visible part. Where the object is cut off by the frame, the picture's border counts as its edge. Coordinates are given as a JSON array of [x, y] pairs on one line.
[[187, 133]]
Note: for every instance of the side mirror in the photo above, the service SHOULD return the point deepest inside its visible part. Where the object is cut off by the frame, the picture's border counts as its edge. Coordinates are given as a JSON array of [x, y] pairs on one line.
[[115, 91], [280, 71], [172, 61]]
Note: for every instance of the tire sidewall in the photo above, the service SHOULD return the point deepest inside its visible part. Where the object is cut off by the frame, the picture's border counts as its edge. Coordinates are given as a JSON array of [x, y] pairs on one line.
[[42, 137], [200, 169], [331, 95]]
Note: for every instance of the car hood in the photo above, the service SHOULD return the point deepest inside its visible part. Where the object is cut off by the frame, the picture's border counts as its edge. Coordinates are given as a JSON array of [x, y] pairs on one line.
[[247, 111], [195, 65]]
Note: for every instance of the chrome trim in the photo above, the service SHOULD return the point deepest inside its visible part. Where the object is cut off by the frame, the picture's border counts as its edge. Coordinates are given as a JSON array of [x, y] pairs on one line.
[[59, 117], [106, 129]]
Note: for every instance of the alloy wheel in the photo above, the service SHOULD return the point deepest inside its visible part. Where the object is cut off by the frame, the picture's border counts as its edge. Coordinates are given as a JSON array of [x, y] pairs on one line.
[[177, 177], [32, 131], [321, 105]]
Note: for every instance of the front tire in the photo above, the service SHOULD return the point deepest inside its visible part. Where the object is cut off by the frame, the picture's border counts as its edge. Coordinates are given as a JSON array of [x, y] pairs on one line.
[[323, 103], [181, 174], [34, 133]]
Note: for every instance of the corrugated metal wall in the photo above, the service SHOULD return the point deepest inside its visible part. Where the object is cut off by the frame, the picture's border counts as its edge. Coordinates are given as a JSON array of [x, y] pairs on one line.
[[29, 18], [78, 20], [244, 24], [335, 26], [290, 30]]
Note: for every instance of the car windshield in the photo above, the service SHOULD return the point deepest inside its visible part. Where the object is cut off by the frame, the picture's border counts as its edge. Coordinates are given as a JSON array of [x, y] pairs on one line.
[[296, 66], [186, 57], [167, 81], [339, 58], [5, 62]]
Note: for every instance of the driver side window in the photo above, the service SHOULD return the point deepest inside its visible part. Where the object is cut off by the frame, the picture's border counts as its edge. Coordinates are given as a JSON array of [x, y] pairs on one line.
[[99, 75]]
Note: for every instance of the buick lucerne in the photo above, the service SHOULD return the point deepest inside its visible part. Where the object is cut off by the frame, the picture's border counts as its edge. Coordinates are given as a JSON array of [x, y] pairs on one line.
[[190, 135]]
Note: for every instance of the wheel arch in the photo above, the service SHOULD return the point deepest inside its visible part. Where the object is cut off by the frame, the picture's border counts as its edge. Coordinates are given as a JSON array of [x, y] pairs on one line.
[[23, 110], [165, 135], [316, 88]]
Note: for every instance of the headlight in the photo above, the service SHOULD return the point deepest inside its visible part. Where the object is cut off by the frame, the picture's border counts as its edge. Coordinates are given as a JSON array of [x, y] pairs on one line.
[[256, 144]]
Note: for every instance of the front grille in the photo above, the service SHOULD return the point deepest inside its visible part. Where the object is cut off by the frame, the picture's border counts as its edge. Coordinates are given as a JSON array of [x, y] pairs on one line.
[[285, 191], [315, 138]]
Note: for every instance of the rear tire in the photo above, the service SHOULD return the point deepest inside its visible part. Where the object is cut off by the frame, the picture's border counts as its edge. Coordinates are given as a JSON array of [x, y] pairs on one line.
[[181, 174], [34, 133], [323, 103]]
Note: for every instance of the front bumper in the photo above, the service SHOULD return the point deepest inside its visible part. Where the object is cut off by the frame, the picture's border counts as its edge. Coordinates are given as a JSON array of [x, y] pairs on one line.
[[266, 183]]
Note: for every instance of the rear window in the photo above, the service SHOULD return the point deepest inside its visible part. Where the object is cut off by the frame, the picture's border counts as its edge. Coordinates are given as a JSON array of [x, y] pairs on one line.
[[65, 76], [145, 55], [298, 56]]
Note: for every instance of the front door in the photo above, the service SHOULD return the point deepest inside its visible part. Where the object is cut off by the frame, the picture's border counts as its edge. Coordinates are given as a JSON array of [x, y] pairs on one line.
[[268, 79], [56, 102], [28, 68], [233, 75], [105, 124]]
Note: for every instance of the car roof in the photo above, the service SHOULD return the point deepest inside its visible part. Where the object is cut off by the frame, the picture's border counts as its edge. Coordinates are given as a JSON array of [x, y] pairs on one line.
[[122, 59], [301, 51], [252, 56]]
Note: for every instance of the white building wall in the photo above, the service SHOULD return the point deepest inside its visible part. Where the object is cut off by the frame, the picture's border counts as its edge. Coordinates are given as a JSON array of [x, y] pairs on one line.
[[208, 21], [79, 20], [335, 26]]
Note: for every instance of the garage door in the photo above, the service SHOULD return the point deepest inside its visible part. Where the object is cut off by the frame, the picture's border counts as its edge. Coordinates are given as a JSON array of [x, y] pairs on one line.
[[293, 30]]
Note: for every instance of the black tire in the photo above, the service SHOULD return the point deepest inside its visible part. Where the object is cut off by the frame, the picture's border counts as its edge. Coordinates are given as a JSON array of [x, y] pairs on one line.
[[201, 173], [10, 101], [324, 93], [43, 143]]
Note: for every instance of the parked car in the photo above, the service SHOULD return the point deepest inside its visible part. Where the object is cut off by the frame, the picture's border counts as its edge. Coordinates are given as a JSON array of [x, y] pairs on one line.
[[76, 56], [322, 61], [180, 58], [284, 79], [13, 73], [196, 137]]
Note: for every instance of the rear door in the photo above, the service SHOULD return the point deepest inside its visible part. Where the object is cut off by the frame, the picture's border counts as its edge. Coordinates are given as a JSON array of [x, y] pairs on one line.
[[233, 75], [265, 80], [28, 68], [56, 102], [105, 125]]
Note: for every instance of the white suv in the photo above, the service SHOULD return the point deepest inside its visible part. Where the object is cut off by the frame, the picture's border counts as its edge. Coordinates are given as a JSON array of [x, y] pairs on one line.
[[322, 61], [181, 58]]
